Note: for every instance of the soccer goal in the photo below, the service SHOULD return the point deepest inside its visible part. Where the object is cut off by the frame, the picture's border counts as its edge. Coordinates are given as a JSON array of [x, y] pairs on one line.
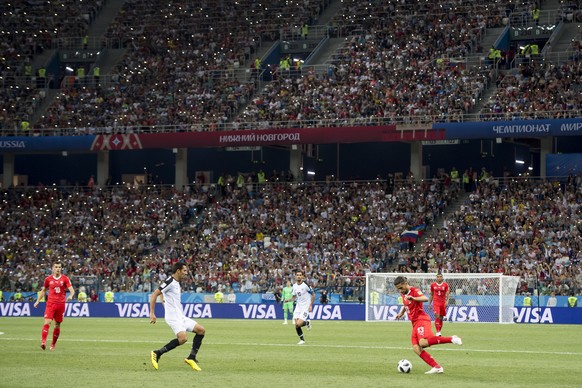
[[483, 297]]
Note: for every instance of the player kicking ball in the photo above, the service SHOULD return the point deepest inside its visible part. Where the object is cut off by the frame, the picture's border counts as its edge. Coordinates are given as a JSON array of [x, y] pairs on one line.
[[422, 335]]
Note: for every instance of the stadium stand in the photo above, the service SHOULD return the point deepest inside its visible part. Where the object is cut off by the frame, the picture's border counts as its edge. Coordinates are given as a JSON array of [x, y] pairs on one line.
[[196, 75], [182, 68], [28, 28], [253, 237]]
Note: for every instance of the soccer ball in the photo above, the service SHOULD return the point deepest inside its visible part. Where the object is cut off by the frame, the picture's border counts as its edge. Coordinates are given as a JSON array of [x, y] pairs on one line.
[[404, 366]]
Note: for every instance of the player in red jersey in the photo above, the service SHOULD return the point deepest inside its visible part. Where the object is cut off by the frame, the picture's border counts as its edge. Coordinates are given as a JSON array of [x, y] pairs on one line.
[[422, 335], [57, 285], [439, 296]]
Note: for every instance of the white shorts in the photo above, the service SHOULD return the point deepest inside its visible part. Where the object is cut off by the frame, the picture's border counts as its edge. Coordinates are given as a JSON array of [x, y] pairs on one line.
[[302, 314], [179, 324]]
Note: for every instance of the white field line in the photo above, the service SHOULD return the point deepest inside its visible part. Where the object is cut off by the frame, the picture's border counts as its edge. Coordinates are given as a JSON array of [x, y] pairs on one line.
[[310, 344]]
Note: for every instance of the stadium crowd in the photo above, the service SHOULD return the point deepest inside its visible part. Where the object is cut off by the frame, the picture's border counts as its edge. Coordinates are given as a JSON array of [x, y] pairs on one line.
[[251, 237], [537, 91], [28, 28], [385, 70], [196, 74], [530, 229], [191, 74], [182, 67]]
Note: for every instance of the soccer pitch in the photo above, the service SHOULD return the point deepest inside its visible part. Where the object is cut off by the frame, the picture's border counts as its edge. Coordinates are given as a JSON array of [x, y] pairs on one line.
[[102, 352]]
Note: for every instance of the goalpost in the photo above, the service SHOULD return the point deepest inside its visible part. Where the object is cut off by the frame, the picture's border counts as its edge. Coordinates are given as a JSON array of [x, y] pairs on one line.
[[482, 297]]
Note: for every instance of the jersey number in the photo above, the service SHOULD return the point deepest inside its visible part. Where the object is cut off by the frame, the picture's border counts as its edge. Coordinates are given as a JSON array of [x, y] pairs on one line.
[[57, 290]]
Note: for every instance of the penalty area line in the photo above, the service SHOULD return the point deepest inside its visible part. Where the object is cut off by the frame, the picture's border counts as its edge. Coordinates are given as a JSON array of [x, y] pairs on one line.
[[312, 345]]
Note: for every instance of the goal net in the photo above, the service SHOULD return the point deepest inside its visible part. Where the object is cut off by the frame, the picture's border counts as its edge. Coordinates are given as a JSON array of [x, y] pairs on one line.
[[483, 297]]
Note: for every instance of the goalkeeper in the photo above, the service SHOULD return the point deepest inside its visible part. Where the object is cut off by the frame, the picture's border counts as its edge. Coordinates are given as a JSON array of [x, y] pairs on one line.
[[287, 294]]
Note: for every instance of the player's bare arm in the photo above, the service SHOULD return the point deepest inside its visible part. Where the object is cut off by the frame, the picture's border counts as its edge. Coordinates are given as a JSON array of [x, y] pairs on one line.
[[312, 300], [41, 295], [153, 299], [71, 294], [401, 313]]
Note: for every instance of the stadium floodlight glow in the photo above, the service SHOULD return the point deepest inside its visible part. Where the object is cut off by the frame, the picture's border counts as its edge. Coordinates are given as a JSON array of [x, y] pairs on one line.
[[310, 172], [519, 161], [69, 68], [530, 168]]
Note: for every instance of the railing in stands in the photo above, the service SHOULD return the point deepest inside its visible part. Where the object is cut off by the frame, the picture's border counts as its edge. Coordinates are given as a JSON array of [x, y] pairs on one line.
[[413, 122]]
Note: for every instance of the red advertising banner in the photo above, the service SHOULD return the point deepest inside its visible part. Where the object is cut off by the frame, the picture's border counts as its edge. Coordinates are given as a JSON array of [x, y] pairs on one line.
[[116, 142], [330, 135]]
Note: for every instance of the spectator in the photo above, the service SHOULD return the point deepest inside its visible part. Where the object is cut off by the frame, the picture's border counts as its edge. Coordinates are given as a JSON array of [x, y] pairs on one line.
[[552, 301], [231, 297], [109, 296], [93, 296], [219, 297]]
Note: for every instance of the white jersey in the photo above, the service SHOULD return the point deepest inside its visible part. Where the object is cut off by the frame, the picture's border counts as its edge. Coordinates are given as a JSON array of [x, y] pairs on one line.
[[172, 298], [302, 293]]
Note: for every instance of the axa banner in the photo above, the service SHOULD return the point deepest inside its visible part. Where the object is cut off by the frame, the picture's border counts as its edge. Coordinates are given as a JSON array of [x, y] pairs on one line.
[[516, 128], [353, 312]]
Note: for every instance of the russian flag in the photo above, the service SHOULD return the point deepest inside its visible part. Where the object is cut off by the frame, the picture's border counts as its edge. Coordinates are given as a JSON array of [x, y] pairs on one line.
[[410, 235]]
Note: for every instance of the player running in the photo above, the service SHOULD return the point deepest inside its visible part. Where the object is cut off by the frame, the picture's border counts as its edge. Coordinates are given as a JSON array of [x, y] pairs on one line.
[[439, 297], [175, 318], [422, 335]]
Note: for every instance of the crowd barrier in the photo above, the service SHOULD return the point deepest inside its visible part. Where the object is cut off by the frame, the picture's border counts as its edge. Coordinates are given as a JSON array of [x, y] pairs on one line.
[[339, 312]]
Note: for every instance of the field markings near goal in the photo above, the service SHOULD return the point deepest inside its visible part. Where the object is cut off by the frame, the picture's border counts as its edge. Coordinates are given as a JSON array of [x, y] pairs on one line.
[[311, 345]]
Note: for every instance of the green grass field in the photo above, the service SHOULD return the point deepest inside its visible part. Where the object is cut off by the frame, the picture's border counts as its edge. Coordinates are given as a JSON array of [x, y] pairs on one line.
[[103, 352]]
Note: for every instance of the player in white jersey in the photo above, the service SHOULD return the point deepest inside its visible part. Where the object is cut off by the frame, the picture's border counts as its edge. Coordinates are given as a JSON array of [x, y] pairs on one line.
[[171, 292], [304, 297]]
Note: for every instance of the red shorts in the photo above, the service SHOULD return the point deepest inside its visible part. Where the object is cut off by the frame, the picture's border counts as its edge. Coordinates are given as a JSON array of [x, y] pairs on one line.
[[55, 311], [421, 329], [440, 309]]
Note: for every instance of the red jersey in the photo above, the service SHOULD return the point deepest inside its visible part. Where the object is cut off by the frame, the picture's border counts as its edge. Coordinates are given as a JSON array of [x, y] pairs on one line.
[[415, 310], [57, 288], [439, 292]]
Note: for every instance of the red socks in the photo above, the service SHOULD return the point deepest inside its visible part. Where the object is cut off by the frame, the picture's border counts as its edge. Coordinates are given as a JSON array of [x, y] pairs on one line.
[[45, 330], [438, 324], [429, 360], [439, 340], [56, 333]]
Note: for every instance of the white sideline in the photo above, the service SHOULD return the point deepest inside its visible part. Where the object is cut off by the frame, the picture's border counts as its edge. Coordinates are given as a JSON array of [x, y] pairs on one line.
[[312, 345]]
